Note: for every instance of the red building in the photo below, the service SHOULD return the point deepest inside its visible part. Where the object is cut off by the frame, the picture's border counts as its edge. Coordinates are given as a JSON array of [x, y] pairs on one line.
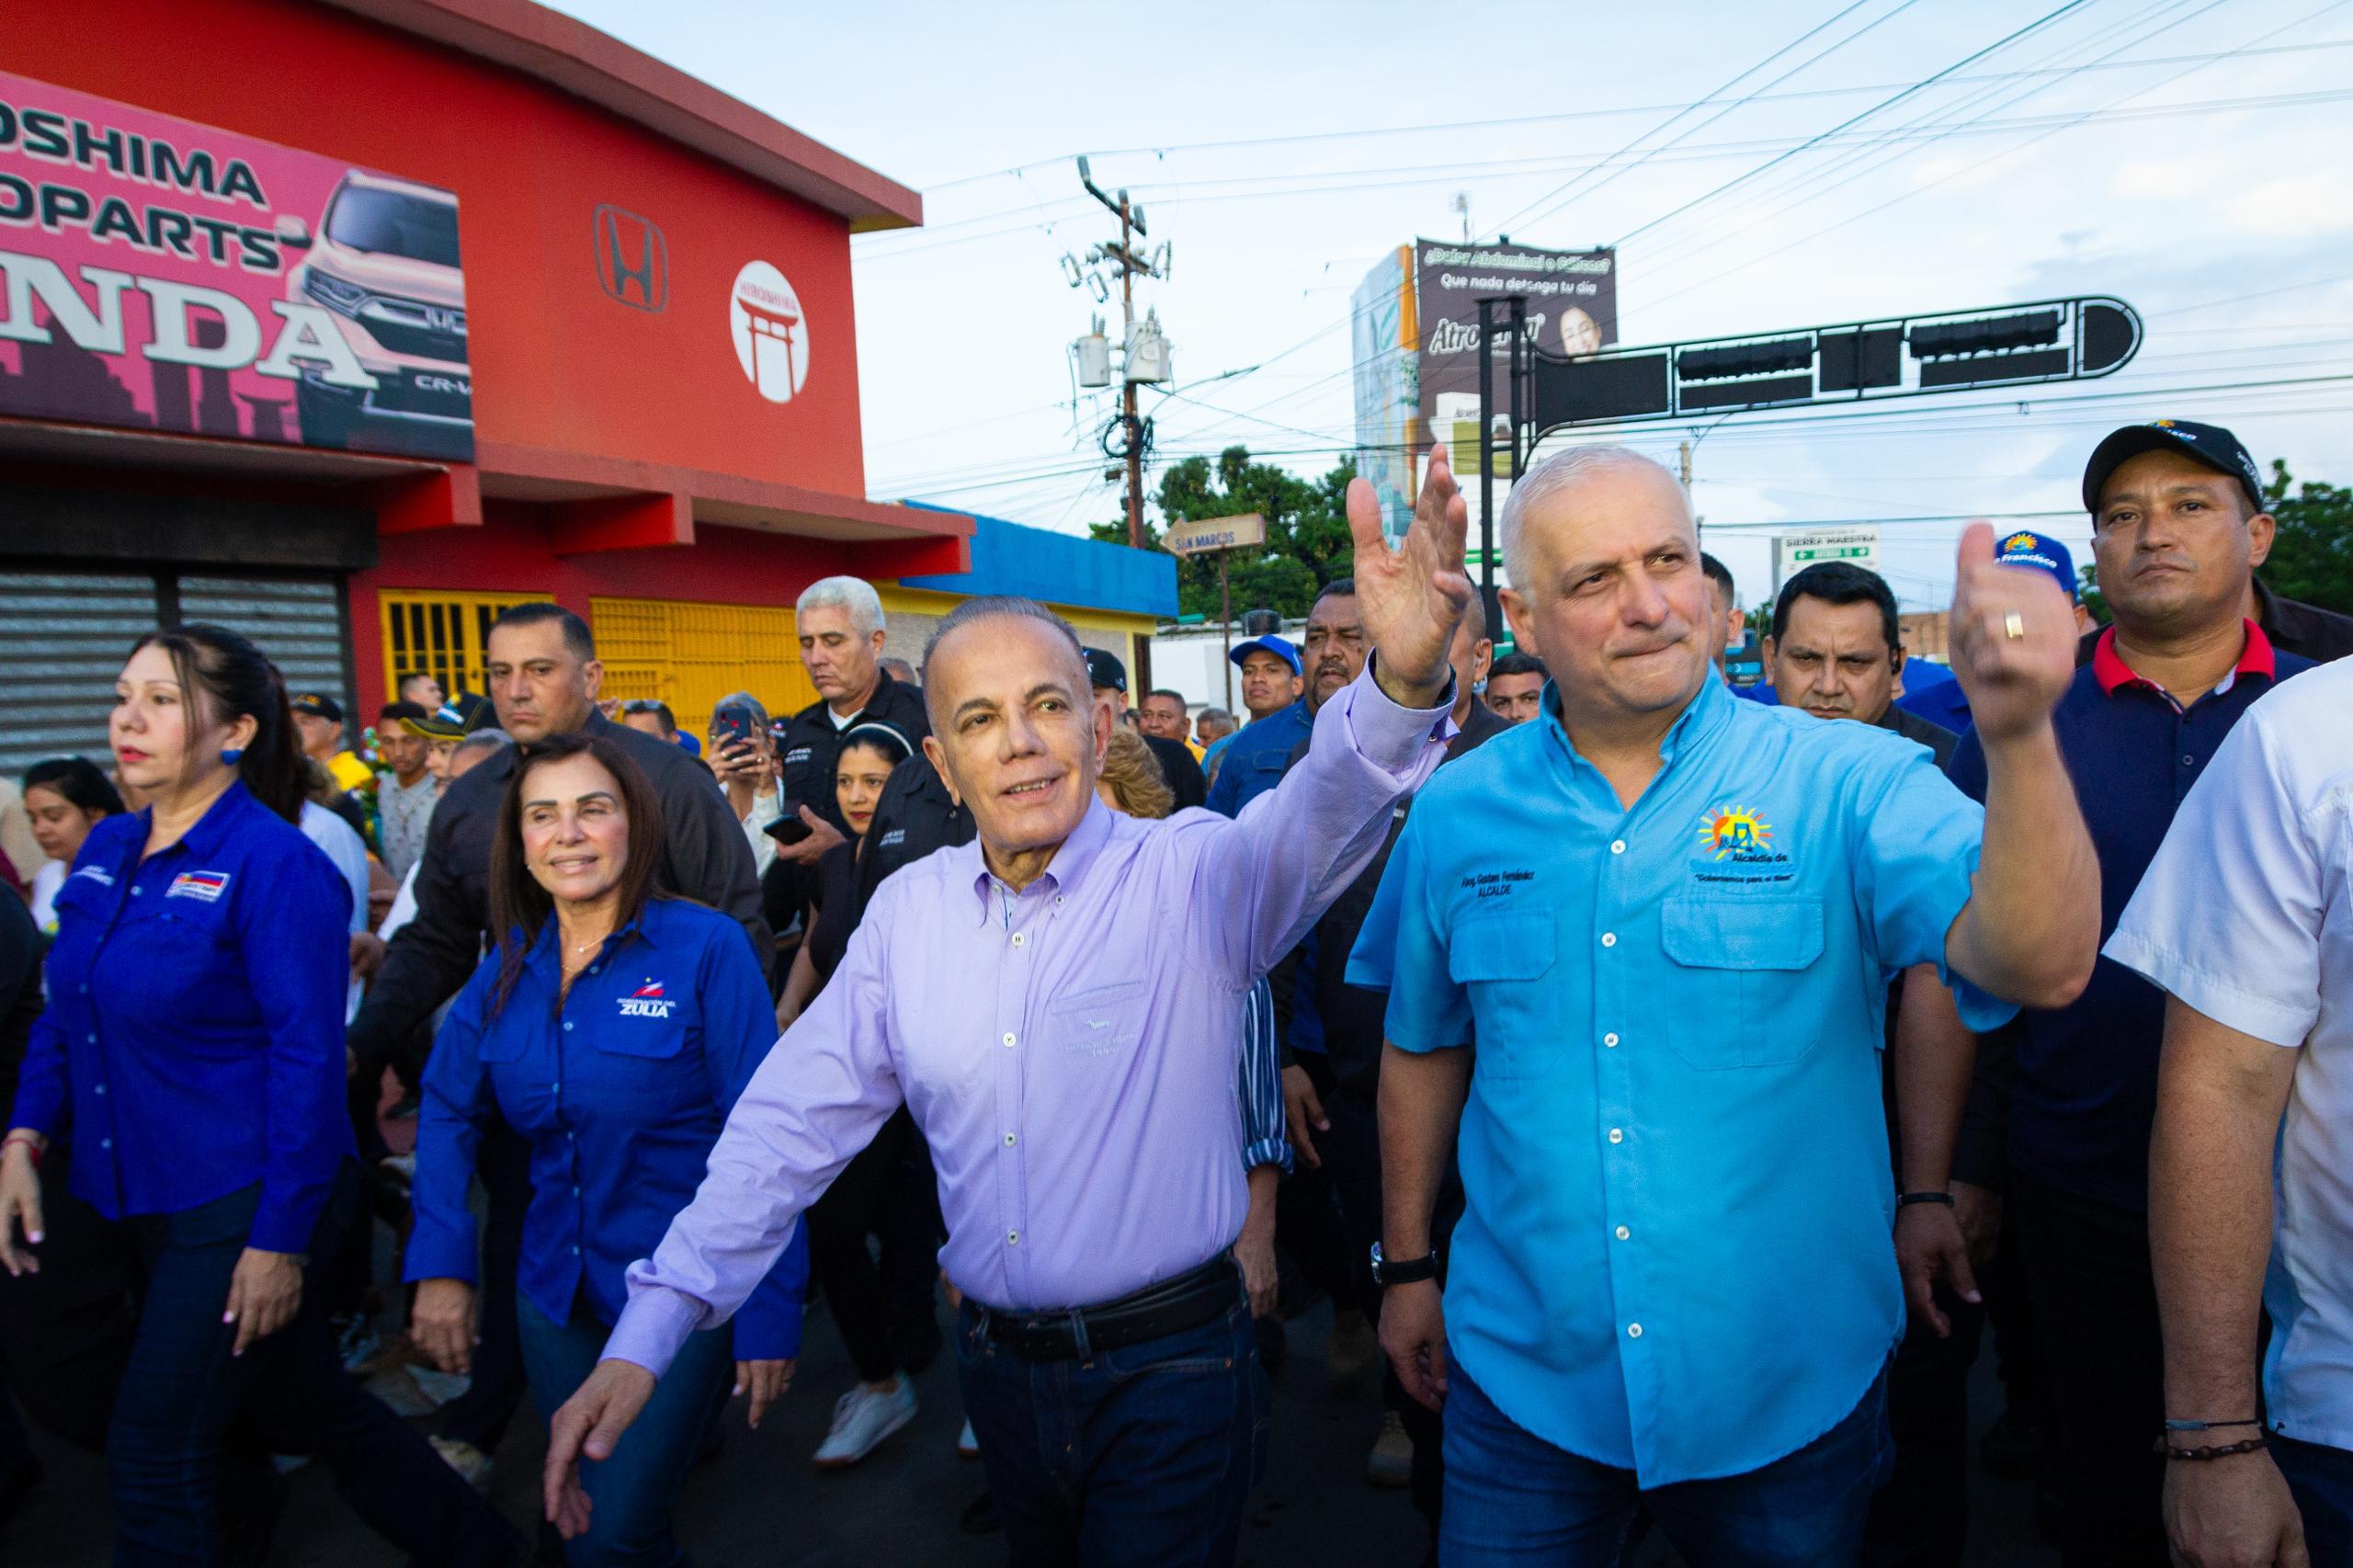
[[349, 323]]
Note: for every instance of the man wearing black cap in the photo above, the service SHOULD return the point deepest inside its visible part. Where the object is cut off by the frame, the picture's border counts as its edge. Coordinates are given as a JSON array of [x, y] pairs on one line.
[[1109, 678], [2179, 530], [319, 719], [2293, 627]]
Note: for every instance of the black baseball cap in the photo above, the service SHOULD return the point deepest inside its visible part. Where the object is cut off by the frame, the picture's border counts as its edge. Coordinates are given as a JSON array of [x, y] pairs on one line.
[[318, 706], [2209, 445], [1104, 669]]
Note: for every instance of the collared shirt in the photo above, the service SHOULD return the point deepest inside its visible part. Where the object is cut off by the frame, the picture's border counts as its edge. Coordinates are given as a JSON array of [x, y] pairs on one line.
[[1069, 1050], [2084, 1094], [2247, 915], [621, 1088], [1677, 1256], [193, 1043], [1255, 756], [403, 810]]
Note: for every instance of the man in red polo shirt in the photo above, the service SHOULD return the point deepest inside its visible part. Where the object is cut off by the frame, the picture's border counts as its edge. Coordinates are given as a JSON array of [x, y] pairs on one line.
[[2178, 529]]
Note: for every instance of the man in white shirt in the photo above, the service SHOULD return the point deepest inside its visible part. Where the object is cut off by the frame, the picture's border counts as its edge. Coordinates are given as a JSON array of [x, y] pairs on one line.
[[2246, 919]]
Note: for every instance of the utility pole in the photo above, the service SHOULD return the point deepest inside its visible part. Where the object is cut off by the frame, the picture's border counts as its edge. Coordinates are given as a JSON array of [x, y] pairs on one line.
[[1124, 257]]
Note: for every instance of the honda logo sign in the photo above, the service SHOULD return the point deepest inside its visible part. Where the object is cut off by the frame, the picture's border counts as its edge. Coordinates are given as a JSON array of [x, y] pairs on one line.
[[632, 259]]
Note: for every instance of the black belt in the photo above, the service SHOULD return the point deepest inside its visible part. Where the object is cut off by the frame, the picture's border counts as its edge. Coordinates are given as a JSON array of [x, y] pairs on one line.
[[1191, 1298]]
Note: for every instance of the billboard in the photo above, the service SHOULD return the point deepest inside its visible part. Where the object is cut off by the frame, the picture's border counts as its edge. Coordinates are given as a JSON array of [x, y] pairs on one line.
[[162, 275], [1381, 321], [1572, 308]]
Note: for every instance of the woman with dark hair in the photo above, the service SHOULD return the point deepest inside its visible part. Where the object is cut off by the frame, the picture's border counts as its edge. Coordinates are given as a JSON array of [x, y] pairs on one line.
[[193, 1046], [613, 1027], [855, 1206], [65, 797]]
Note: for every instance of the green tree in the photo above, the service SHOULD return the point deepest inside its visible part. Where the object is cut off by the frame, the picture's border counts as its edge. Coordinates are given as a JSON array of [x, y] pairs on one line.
[[2094, 600], [1307, 531], [2311, 556]]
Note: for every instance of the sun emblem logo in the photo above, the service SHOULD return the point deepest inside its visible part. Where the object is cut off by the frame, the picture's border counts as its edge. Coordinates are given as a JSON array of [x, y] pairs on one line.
[[1737, 831]]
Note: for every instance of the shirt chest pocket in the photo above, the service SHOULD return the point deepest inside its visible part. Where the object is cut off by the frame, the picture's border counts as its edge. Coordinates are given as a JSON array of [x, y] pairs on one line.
[[1503, 960], [1106, 1021], [1742, 972]]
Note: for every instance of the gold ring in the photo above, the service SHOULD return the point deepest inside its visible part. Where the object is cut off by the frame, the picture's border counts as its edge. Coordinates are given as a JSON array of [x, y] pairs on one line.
[[2014, 625]]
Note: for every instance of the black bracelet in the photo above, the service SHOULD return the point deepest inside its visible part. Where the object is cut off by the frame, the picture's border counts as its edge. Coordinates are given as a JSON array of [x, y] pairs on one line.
[[2174, 1426], [1910, 1198], [2224, 1450]]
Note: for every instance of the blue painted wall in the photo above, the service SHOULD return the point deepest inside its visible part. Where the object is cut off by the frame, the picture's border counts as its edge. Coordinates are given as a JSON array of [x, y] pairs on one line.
[[1011, 558]]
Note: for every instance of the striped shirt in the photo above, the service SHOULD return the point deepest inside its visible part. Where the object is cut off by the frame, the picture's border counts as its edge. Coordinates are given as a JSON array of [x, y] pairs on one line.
[[1265, 1140]]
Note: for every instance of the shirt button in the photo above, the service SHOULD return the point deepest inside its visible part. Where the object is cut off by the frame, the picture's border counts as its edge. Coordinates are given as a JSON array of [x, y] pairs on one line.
[[1012, 1238], [1020, 939], [2187, 760], [136, 891], [1618, 847], [1616, 1135], [554, 1087], [567, 1025], [1611, 1040], [594, 968], [86, 988], [1609, 938], [106, 1142], [575, 1251], [1623, 1232], [1008, 1140], [1009, 1037], [1633, 1330], [102, 1088], [94, 1039]]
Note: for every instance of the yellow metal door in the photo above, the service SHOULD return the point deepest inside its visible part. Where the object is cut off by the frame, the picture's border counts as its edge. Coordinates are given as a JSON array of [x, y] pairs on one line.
[[441, 633], [689, 656]]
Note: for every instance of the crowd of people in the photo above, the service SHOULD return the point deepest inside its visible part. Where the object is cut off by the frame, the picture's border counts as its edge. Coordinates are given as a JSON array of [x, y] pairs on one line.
[[1672, 1086]]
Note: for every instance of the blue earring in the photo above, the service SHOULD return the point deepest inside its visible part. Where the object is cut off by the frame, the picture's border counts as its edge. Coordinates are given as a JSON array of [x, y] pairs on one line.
[[229, 755]]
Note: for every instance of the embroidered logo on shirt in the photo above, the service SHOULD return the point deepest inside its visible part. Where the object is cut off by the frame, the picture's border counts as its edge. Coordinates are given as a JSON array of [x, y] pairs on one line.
[[646, 1001], [206, 885], [796, 755], [1739, 833], [894, 838], [98, 874]]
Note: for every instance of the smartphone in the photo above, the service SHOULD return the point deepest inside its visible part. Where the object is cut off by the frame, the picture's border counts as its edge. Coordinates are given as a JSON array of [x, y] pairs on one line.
[[788, 828], [732, 722]]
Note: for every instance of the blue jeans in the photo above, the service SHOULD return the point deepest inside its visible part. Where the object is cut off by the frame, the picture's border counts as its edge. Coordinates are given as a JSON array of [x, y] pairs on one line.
[[1512, 1498], [635, 1490], [1136, 1458], [2322, 1480], [182, 1391]]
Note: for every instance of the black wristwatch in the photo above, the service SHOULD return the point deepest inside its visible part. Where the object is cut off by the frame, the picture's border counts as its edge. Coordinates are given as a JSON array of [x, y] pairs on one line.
[[1385, 1274]]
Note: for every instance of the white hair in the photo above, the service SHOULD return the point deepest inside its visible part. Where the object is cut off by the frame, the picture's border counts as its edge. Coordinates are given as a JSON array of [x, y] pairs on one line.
[[1556, 473], [854, 597]]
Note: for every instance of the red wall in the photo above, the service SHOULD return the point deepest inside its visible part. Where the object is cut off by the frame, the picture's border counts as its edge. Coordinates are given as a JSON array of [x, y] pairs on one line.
[[556, 363]]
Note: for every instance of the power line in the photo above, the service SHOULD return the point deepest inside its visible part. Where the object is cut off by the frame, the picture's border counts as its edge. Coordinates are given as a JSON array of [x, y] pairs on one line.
[[1922, 85]]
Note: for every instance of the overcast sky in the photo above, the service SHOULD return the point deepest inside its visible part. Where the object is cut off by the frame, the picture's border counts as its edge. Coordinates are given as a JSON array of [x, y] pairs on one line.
[[2187, 155]]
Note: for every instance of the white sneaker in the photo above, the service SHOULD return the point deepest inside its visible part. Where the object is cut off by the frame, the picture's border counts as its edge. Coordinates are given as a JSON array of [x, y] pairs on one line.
[[967, 1446], [862, 1418], [1391, 1463]]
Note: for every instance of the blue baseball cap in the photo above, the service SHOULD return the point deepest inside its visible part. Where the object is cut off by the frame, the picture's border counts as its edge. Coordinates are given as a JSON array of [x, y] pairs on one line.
[[1278, 646], [2026, 547]]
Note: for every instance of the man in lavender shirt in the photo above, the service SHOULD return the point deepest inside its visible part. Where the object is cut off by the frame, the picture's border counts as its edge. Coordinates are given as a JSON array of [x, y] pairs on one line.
[[1060, 1006]]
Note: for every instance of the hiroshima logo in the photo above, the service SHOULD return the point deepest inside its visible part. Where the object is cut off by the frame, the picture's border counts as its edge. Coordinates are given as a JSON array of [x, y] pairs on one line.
[[771, 340], [1739, 831]]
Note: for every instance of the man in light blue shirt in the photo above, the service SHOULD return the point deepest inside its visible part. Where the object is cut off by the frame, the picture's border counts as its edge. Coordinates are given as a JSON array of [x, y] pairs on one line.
[[1666, 920]]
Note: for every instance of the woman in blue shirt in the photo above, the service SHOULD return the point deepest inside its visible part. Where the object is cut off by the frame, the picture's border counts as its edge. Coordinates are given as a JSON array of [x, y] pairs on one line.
[[193, 1048], [613, 1027]]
